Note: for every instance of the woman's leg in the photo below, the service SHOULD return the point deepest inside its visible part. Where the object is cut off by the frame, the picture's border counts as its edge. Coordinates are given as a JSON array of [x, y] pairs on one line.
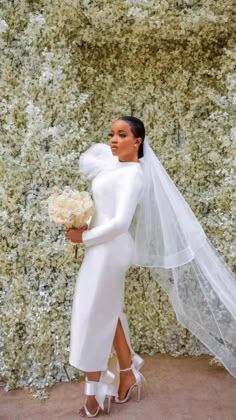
[[121, 347], [124, 356], [91, 402]]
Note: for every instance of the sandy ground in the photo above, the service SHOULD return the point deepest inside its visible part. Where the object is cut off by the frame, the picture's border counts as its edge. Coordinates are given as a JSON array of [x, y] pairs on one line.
[[185, 388]]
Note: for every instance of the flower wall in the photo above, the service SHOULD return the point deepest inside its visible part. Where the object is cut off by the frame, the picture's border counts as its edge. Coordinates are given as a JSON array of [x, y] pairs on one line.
[[68, 70]]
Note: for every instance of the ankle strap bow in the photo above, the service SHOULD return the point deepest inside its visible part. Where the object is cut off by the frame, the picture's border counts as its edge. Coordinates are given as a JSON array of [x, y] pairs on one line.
[[101, 388], [137, 361]]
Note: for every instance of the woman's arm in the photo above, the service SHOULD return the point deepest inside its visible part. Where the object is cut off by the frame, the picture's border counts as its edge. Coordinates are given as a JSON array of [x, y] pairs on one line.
[[127, 197]]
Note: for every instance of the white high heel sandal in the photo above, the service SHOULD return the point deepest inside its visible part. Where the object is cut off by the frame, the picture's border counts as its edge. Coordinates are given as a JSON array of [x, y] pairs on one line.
[[102, 390], [137, 363]]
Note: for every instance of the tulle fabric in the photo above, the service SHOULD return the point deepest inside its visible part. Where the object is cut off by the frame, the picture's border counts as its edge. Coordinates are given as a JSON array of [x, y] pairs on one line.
[[171, 242], [166, 232], [203, 295]]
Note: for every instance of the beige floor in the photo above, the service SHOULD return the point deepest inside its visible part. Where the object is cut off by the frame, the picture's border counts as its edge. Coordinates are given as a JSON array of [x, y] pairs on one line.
[[185, 388]]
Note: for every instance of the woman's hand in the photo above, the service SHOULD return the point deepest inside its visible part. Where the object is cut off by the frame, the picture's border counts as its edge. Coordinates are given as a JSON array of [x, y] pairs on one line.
[[75, 234]]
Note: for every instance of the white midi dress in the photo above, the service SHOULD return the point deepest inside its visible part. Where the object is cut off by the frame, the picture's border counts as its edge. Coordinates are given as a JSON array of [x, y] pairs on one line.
[[98, 301]]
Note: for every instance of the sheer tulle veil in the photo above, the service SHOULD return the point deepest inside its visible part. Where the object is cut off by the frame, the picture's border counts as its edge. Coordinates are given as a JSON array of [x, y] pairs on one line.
[[172, 243]]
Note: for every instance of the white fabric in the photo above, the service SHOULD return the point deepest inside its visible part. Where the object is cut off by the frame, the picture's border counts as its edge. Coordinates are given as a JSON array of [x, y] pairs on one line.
[[166, 233], [99, 290], [170, 240]]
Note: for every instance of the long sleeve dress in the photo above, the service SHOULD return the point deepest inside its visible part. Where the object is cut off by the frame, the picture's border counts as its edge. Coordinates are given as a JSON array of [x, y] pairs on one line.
[[98, 298]]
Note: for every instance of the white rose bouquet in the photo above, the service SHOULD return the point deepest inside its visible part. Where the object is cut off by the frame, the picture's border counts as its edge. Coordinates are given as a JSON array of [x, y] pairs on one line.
[[71, 209]]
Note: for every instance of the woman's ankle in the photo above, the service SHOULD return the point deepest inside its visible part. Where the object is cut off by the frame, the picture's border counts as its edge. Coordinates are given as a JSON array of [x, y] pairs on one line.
[[93, 376], [125, 364]]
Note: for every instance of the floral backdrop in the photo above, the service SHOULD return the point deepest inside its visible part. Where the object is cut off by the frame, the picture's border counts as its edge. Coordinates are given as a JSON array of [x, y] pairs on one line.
[[68, 70]]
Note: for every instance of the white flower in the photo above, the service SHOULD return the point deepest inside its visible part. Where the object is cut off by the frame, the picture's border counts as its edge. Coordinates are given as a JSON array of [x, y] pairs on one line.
[[231, 81], [83, 98], [37, 19], [233, 100], [46, 76], [233, 133], [134, 11], [53, 131], [31, 109], [214, 156], [48, 55], [3, 26]]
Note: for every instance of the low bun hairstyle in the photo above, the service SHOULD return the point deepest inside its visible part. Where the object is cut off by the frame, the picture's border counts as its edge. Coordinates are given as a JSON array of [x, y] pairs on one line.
[[138, 130]]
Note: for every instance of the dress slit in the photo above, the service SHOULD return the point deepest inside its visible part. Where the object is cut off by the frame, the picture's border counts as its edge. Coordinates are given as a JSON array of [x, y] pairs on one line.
[[125, 327]]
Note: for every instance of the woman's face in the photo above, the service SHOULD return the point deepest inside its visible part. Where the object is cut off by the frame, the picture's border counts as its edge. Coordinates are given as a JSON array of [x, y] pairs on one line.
[[122, 141]]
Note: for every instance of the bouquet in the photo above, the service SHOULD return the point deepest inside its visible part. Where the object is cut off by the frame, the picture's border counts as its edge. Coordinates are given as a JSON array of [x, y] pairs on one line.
[[71, 209]]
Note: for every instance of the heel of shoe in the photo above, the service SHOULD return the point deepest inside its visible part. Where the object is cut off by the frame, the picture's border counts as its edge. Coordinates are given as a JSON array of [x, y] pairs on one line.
[[108, 404], [139, 391], [139, 379], [112, 392]]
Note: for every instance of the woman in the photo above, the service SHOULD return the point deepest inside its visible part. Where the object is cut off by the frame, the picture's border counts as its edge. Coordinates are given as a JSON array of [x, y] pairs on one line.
[[166, 237], [98, 321]]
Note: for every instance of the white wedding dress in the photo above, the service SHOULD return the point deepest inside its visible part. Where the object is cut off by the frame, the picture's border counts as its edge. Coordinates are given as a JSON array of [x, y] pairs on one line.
[[99, 291]]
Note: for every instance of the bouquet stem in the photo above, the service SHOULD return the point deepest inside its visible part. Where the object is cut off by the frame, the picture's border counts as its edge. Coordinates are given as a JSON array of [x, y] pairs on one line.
[[73, 250]]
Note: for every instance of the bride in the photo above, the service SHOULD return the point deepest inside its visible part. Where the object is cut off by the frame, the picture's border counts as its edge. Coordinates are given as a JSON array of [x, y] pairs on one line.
[[141, 219]]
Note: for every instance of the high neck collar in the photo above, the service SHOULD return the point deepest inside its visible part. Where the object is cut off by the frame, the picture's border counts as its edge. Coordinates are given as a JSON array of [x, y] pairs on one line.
[[121, 163]]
